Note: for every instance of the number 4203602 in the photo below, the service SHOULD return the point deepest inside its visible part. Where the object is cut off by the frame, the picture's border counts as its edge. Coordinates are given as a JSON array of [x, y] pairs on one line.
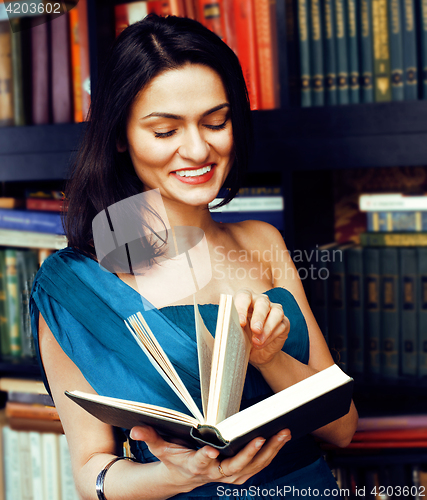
[[34, 8]]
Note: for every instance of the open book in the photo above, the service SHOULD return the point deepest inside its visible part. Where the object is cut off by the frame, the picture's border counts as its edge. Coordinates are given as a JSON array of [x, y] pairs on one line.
[[223, 362]]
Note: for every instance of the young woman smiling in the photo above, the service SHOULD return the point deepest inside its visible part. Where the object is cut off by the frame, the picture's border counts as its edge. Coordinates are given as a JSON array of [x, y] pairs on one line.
[[171, 113]]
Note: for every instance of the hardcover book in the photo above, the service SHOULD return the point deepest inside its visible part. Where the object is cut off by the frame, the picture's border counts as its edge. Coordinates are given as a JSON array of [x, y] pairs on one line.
[[302, 408]]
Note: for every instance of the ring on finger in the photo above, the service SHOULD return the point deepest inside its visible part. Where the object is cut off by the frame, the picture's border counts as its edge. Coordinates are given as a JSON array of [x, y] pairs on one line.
[[223, 474]]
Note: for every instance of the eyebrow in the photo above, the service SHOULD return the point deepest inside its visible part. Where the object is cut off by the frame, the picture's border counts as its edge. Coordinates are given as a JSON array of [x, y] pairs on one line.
[[179, 117]]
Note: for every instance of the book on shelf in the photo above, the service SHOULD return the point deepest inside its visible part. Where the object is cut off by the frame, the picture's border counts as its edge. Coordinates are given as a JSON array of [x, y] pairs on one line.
[[392, 202], [393, 239], [329, 47], [353, 51], [410, 55], [366, 52], [29, 220], [32, 239], [381, 46], [10, 202], [316, 51], [342, 52], [6, 95], [422, 22], [302, 408], [396, 51], [31, 411], [211, 15], [304, 53], [392, 423], [397, 221]]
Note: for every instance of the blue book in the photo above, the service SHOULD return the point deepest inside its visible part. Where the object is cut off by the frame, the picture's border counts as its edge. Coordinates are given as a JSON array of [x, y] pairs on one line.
[[342, 53], [399, 222], [353, 51], [422, 311], [408, 308], [316, 53], [330, 51], [396, 51], [28, 220], [304, 52], [423, 46], [366, 52], [409, 50]]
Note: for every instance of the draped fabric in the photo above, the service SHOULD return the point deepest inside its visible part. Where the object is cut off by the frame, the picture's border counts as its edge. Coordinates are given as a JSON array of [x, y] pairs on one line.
[[85, 307]]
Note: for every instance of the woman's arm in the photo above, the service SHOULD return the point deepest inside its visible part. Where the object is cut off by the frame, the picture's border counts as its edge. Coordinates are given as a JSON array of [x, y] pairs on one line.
[[270, 328], [92, 445]]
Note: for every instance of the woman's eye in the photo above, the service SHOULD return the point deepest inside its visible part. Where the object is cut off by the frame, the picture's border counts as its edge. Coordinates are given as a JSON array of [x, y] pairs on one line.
[[163, 135], [221, 126]]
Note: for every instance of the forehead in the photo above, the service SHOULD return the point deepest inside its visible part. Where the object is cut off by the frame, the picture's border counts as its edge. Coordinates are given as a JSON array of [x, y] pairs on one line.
[[193, 87]]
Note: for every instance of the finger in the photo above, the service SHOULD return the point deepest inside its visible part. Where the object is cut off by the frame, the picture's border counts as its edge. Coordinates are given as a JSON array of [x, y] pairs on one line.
[[272, 447], [156, 444], [203, 459], [262, 307], [277, 325], [242, 302], [237, 463], [143, 433]]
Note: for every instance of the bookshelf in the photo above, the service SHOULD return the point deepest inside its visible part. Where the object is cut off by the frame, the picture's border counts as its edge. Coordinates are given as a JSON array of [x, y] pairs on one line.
[[301, 145]]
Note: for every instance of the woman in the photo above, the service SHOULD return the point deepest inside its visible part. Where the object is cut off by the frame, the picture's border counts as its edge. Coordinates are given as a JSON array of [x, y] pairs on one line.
[[171, 113]]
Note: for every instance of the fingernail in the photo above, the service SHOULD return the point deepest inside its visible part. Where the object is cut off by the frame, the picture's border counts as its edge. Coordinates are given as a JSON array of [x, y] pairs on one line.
[[259, 443], [242, 319], [258, 325], [282, 437], [132, 435], [212, 453]]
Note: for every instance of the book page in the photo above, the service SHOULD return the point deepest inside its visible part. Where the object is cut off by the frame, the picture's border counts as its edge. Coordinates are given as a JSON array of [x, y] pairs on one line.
[[205, 347], [229, 365]]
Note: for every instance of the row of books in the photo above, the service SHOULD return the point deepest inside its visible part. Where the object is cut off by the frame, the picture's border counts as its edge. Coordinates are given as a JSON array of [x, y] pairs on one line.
[[371, 305], [247, 26], [361, 51], [44, 65]]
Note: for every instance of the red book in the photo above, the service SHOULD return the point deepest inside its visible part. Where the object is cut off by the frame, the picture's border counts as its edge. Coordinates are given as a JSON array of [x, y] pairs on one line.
[[23, 410], [6, 84], [190, 9], [159, 7], [84, 55], [76, 67], [45, 205], [210, 15], [266, 39], [230, 37], [244, 14], [61, 70], [40, 74]]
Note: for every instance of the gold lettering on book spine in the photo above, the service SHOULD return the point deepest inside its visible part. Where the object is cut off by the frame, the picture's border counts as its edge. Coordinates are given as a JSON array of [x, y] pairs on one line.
[[409, 15], [315, 18], [328, 19], [302, 14], [424, 14], [394, 9], [351, 18], [364, 15], [339, 18]]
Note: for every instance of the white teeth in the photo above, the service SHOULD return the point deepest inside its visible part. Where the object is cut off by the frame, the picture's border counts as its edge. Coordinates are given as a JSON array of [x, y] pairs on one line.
[[194, 173]]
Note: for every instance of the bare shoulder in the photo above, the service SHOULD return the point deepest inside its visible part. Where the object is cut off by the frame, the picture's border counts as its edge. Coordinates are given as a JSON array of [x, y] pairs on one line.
[[254, 234]]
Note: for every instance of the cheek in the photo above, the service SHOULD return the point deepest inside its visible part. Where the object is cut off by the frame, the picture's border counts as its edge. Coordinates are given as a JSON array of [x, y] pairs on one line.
[[152, 154]]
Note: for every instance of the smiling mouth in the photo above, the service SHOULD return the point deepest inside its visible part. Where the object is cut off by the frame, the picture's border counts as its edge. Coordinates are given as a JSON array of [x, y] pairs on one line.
[[194, 173]]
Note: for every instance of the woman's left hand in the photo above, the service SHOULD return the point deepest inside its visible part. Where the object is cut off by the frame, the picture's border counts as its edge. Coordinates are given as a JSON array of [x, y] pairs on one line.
[[268, 325]]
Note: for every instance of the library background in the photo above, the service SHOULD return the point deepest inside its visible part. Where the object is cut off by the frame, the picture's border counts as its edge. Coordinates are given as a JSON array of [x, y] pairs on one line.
[[338, 90]]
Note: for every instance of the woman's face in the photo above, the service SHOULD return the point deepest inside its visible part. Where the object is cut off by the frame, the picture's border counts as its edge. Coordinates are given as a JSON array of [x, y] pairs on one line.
[[179, 135]]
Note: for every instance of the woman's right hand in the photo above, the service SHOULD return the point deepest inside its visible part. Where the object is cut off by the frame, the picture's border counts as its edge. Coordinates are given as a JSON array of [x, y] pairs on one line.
[[192, 468]]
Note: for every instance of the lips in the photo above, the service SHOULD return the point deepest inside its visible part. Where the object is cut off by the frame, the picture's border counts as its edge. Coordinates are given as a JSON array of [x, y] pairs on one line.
[[198, 175]]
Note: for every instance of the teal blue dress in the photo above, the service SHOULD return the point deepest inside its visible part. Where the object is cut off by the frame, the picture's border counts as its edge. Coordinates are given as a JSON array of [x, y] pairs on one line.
[[85, 307]]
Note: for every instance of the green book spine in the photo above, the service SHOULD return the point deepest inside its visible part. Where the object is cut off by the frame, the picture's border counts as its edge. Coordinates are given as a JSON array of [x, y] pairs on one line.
[[422, 311], [342, 53], [304, 53], [355, 305], [390, 327], [18, 95], [353, 51], [396, 51], [366, 52], [316, 52], [338, 341], [330, 52], [4, 329], [393, 239], [13, 303], [408, 301], [409, 50], [423, 45], [371, 264], [380, 32]]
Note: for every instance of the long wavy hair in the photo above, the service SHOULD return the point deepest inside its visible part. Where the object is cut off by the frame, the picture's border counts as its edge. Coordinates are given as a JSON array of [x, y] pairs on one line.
[[102, 176]]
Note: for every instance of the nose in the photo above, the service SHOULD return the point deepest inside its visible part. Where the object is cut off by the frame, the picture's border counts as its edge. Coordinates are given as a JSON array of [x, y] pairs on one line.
[[194, 146]]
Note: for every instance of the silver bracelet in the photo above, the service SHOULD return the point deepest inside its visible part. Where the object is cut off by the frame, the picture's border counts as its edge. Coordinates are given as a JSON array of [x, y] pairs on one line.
[[101, 476]]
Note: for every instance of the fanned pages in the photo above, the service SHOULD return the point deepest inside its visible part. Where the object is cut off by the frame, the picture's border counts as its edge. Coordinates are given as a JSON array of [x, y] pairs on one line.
[[303, 407]]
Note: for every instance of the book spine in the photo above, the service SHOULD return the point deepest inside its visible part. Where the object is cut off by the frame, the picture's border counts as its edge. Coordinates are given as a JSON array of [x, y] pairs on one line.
[[44, 222], [355, 301], [13, 302], [11, 464], [266, 42], [210, 12], [396, 51], [4, 329], [423, 46], [393, 239], [353, 51], [40, 56], [16, 51], [24, 453], [415, 221], [36, 465], [409, 50], [380, 33], [304, 52], [338, 339], [61, 70], [371, 264], [408, 304], [230, 36], [390, 325], [68, 488], [6, 83], [51, 471], [76, 66], [190, 9], [342, 53], [366, 52], [244, 18], [422, 311], [316, 49], [319, 304], [44, 205], [84, 56], [29, 239], [330, 66]]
